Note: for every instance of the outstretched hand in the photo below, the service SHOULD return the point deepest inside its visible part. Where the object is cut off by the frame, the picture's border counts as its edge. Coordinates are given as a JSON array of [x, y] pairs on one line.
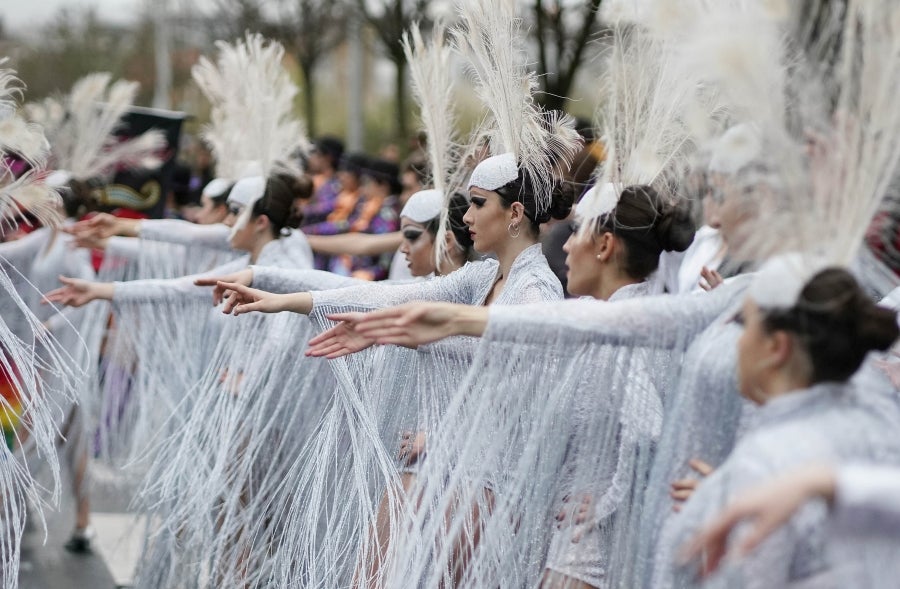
[[89, 241], [244, 277], [769, 506], [76, 292], [340, 340], [413, 324], [240, 299], [100, 226]]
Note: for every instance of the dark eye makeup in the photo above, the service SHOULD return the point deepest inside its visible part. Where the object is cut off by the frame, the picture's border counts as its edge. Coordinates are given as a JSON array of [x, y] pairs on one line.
[[479, 201], [412, 234], [235, 210]]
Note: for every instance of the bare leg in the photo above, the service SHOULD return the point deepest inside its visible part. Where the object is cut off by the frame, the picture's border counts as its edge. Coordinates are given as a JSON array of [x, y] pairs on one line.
[[466, 541], [80, 489], [554, 580]]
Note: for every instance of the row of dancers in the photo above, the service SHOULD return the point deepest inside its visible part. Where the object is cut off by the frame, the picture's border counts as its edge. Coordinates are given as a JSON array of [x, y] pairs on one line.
[[291, 427]]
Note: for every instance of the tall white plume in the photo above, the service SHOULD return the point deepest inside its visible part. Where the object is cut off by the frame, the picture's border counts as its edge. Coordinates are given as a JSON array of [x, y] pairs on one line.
[[85, 144], [430, 69], [490, 40], [652, 114], [252, 129], [20, 139]]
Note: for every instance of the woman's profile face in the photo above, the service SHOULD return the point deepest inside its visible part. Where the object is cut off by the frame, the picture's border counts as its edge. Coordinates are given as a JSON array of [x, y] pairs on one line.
[[582, 268], [209, 212], [243, 238], [418, 247], [488, 220], [752, 353], [735, 213]]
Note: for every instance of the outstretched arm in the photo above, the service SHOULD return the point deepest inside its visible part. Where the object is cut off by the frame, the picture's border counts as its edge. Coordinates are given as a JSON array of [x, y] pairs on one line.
[[76, 292], [664, 321], [240, 299], [769, 506], [356, 244], [104, 225]]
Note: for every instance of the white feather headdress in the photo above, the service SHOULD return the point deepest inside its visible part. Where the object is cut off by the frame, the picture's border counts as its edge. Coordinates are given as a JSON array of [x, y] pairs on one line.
[[652, 115], [84, 143], [21, 139], [252, 129], [522, 135], [829, 131], [432, 85]]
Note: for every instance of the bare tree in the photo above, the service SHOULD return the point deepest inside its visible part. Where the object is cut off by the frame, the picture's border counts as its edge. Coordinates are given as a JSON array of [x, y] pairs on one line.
[[563, 30], [389, 19], [72, 45], [235, 17], [310, 30]]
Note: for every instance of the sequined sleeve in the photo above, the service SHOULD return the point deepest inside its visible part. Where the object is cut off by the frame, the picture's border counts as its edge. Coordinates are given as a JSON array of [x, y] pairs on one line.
[[155, 290], [287, 280], [867, 500], [19, 253], [185, 233], [461, 286], [665, 321]]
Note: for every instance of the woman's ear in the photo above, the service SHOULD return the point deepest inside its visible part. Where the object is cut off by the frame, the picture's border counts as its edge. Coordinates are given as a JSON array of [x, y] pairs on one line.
[[604, 246], [262, 223], [518, 212], [450, 240], [780, 348]]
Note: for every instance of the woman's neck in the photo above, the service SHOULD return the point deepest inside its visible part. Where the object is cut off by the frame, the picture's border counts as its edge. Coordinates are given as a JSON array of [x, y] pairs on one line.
[[784, 383], [451, 263], [507, 254], [258, 247], [608, 286]]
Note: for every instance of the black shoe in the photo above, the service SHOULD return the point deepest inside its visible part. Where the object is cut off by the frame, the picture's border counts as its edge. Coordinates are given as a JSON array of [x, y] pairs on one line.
[[80, 541]]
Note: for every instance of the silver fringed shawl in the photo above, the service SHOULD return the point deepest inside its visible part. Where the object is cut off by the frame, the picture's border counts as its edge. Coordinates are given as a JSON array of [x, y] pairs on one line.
[[384, 392]]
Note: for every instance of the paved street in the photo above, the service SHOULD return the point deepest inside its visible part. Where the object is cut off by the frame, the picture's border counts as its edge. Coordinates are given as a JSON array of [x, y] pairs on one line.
[[115, 547]]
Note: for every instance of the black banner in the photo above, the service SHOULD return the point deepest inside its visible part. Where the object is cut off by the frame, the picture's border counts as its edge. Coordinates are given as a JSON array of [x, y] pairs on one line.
[[144, 191]]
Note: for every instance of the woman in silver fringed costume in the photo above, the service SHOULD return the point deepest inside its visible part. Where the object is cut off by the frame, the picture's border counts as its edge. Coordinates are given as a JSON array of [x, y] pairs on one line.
[[611, 262], [142, 301], [85, 152], [520, 274], [796, 362], [41, 378], [391, 394], [701, 417]]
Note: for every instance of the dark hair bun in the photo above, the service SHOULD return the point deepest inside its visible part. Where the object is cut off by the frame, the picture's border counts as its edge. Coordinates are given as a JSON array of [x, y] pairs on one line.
[[562, 201], [674, 228], [877, 327], [838, 324], [457, 208]]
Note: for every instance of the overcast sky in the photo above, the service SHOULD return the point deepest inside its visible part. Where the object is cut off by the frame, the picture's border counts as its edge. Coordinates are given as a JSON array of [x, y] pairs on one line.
[[31, 13]]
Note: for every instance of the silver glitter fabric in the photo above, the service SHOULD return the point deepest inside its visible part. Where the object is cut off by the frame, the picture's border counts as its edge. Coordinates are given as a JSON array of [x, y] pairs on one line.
[[826, 424], [383, 393]]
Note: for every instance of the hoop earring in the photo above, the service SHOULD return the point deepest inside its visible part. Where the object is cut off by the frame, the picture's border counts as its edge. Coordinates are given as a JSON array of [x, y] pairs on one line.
[[510, 228]]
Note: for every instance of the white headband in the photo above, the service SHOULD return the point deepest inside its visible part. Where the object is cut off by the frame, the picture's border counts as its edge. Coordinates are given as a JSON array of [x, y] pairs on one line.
[[58, 179], [245, 193], [495, 172], [599, 200], [423, 206], [216, 187], [781, 279], [737, 147]]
